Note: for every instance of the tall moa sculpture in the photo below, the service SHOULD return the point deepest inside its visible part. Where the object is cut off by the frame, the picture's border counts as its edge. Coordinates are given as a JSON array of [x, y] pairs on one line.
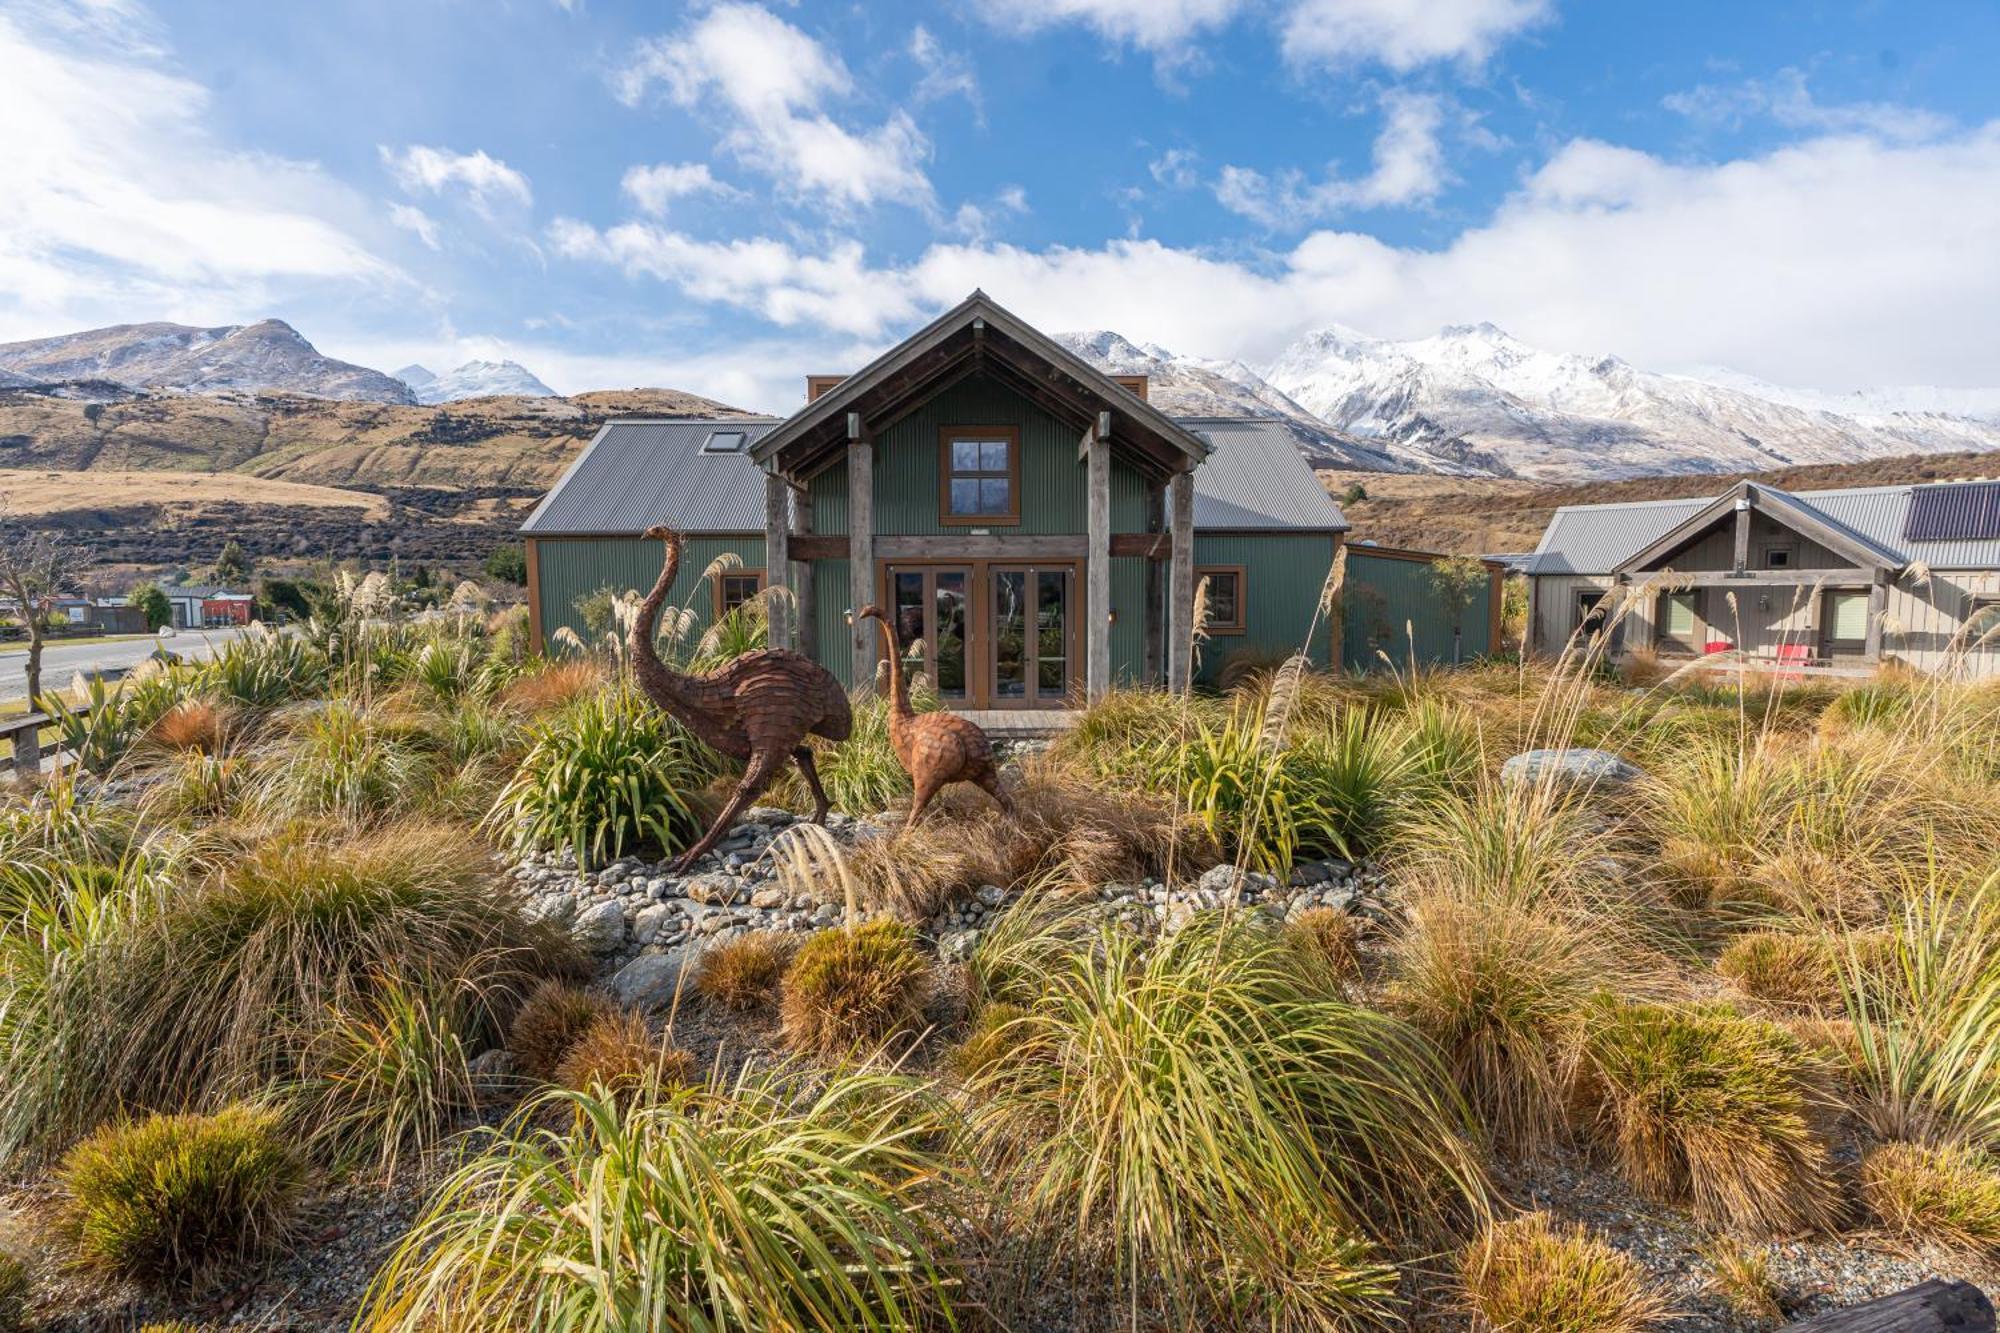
[[934, 748], [759, 708]]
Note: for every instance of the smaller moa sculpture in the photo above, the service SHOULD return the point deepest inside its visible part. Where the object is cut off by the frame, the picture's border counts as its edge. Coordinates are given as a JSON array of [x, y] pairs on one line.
[[934, 748], [759, 708]]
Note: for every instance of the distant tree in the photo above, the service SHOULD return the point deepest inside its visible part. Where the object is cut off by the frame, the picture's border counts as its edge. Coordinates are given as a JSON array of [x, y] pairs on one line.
[[36, 564], [1354, 494], [508, 563], [92, 411], [1456, 580], [595, 610], [420, 577], [232, 567], [292, 599], [149, 599]]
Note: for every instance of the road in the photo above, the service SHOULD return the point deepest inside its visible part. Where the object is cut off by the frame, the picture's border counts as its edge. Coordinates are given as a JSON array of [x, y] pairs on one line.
[[61, 662]]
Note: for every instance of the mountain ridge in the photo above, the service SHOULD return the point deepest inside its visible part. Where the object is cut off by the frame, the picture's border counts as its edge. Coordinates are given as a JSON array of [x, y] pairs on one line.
[[269, 354]]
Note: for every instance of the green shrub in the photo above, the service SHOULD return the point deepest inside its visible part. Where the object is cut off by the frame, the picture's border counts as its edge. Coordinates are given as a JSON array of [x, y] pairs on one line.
[[549, 1021], [165, 1001], [608, 773], [263, 669], [1706, 1106], [345, 763], [386, 1076], [1526, 1275], [1212, 1133], [1948, 1194], [174, 1200], [1263, 806], [774, 1207], [447, 668], [744, 973], [857, 986]]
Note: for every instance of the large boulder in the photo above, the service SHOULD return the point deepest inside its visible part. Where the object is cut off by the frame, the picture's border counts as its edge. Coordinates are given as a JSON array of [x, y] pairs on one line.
[[600, 927], [1571, 769], [649, 981]]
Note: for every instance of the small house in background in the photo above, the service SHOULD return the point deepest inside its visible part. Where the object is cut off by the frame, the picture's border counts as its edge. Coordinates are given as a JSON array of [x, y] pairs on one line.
[[201, 607], [226, 608], [1036, 527], [1835, 579]]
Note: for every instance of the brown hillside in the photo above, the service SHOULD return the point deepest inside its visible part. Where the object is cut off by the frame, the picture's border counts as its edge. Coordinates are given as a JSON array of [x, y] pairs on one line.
[[1486, 516]]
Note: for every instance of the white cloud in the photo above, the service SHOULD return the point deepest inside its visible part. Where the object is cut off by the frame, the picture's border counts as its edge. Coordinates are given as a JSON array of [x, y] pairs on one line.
[[118, 201], [978, 222], [1833, 263], [1165, 28], [652, 188], [484, 179], [1785, 99], [946, 73], [770, 83], [415, 220], [1175, 168], [1409, 169], [1404, 34]]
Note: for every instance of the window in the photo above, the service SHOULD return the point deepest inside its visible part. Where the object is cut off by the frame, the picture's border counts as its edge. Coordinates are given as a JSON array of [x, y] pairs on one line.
[[735, 588], [1845, 625], [1778, 557], [724, 442], [1982, 627], [1677, 617], [1225, 597], [979, 476]]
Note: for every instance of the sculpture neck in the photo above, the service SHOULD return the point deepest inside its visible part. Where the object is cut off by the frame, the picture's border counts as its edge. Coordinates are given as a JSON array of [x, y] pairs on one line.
[[666, 685], [899, 686]]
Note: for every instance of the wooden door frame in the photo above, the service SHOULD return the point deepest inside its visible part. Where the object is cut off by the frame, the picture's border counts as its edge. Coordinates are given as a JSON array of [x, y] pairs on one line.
[[886, 599], [981, 663]]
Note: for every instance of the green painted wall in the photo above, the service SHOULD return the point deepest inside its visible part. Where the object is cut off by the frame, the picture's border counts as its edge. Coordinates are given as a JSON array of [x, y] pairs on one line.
[[1128, 628], [829, 499], [1284, 573], [1386, 600], [830, 600], [1052, 480], [569, 568]]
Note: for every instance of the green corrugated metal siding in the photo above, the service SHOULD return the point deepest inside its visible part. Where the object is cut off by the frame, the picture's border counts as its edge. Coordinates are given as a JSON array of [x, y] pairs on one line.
[[1386, 600], [569, 568], [828, 490], [1052, 480], [1128, 629], [830, 597], [1283, 573]]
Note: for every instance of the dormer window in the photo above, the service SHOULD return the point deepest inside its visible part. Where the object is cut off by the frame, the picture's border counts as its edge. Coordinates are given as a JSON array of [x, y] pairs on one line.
[[724, 442], [979, 476]]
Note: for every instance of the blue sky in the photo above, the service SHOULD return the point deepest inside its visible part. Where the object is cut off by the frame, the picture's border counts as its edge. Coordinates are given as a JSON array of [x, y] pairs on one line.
[[722, 197]]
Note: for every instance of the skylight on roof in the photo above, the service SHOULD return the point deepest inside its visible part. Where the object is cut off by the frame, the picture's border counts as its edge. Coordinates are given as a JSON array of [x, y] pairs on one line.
[[1961, 511], [724, 442]]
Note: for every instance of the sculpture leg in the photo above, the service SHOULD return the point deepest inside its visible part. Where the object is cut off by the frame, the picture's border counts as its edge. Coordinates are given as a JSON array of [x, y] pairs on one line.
[[990, 780], [821, 805], [756, 776], [926, 788]]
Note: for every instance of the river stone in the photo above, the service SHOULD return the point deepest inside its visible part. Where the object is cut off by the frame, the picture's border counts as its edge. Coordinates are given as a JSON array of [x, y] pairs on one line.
[[649, 981], [600, 927], [1224, 881], [1568, 769]]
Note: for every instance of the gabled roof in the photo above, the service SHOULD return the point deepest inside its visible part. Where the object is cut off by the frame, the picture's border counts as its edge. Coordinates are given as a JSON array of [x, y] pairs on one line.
[[1597, 539], [1783, 508], [638, 473], [1257, 478], [976, 335]]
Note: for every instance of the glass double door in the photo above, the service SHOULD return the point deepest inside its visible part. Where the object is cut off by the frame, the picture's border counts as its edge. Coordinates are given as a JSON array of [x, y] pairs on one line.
[[992, 634]]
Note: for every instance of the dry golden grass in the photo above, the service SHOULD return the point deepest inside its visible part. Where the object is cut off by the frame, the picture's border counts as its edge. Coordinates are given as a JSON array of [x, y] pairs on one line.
[[1327, 944], [853, 988], [1528, 1275], [62, 492], [550, 1020], [617, 1053], [1741, 1275], [1784, 970], [191, 725], [552, 686], [743, 974], [1947, 1194]]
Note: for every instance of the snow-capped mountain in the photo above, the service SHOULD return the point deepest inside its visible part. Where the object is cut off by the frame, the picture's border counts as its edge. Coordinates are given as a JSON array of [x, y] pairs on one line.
[[1193, 387], [474, 379], [1472, 396], [268, 355]]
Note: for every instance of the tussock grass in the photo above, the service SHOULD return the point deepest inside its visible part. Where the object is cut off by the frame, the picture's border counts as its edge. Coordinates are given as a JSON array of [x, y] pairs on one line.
[[1196, 1123], [855, 987], [1741, 1275], [548, 1023], [1949, 1194], [742, 974], [193, 724], [344, 763], [177, 1200], [15, 1288], [553, 686], [1327, 947], [1784, 970], [1529, 1275], [617, 1055], [1704, 1106], [778, 1205]]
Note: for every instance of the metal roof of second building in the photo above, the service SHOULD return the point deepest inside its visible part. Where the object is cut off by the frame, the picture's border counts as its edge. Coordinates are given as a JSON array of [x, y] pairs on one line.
[[638, 473], [1255, 478]]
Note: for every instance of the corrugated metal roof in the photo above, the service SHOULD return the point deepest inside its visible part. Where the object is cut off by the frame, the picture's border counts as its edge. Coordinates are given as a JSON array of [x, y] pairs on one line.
[[1257, 478], [638, 473], [1594, 539], [1970, 511]]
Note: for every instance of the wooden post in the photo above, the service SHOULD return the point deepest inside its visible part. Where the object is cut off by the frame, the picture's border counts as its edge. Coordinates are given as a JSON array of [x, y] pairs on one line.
[[861, 551], [1180, 583], [28, 747], [805, 626], [1878, 610], [1097, 564], [531, 551], [777, 555], [1740, 564]]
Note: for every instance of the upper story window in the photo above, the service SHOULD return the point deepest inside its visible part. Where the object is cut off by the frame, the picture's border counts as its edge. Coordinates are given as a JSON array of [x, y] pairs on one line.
[[736, 587], [979, 475]]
